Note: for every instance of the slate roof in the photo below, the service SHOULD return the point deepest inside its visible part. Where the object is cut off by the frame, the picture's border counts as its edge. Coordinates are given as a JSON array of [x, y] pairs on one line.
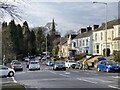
[[85, 34], [63, 41], [110, 24]]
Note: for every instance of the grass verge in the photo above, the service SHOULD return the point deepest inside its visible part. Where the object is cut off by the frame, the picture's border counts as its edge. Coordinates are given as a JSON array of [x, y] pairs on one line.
[[12, 86]]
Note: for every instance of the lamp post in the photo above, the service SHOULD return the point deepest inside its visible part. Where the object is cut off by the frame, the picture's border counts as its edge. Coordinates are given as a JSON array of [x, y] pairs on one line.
[[106, 7], [46, 47]]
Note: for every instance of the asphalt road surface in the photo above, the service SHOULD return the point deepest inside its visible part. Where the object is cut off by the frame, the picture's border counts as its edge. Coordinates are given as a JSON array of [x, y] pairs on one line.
[[47, 78]]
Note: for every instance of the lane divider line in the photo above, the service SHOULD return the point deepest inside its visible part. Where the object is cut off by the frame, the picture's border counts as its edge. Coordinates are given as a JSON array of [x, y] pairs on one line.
[[87, 81], [64, 75], [113, 87], [53, 72]]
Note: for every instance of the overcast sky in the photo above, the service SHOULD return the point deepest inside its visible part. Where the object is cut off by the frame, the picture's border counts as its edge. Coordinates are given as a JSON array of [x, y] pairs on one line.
[[67, 15]]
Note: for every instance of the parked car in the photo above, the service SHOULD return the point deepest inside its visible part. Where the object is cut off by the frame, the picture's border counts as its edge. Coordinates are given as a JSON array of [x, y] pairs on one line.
[[108, 65], [17, 66], [70, 64], [49, 63], [59, 65], [34, 65], [78, 65], [13, 61], [6, 71]]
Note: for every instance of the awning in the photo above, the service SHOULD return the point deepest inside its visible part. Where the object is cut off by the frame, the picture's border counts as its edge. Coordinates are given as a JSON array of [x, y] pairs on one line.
[[117, 38]]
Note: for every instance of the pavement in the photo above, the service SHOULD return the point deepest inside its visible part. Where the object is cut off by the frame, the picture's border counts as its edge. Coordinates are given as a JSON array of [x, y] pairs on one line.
[[48, 79]]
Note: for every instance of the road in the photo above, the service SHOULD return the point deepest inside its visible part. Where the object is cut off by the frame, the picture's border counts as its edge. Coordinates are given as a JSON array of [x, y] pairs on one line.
[[71, 78]]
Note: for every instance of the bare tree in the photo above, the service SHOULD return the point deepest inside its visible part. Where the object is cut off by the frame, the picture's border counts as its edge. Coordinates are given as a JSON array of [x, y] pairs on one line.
[[9, 9]]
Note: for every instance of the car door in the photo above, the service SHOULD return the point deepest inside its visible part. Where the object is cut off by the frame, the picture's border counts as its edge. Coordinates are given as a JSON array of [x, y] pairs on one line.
[[4, 70], [102, 65]]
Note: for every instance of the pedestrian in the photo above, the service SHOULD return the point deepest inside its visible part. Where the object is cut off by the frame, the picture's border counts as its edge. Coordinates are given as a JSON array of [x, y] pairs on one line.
[[85, 64]]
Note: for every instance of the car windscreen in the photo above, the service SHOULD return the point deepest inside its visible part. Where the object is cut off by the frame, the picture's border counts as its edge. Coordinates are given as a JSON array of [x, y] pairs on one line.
[[71, 61], [59, 62], [18, 63], [33, 62], [110, 62]]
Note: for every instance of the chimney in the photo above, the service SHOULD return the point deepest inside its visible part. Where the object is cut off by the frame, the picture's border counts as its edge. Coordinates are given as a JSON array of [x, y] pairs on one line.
[[89, 29], [95, 27], [82, 30]]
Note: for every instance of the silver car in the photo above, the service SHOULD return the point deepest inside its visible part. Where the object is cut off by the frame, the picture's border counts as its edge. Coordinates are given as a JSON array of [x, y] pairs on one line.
[[17, 66], [34, 65], [59, 65]]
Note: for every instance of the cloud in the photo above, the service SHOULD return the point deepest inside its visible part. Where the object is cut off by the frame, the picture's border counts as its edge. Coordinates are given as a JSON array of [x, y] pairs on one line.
[[67, 15]]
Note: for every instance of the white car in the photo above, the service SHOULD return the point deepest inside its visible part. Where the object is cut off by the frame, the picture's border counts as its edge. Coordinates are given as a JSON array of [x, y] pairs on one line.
[[70, 63], [6, 71], [34, 65]]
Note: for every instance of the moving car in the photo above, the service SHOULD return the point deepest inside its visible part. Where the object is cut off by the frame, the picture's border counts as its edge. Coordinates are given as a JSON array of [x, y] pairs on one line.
[[34, 65], [70, 64], [49, 63], [108, 65], [78, 65], [13, 61], [6, 71], [59, 65], [17, 66], [98, 60]]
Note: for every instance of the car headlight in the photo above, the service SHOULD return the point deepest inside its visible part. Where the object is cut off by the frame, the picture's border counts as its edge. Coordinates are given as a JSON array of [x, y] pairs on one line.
[[109, 66]]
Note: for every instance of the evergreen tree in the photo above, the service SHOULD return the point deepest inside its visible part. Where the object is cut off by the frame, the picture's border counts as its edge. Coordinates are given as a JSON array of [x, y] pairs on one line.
[[20, 39], [32, 42], [26, 38], [40, 40]]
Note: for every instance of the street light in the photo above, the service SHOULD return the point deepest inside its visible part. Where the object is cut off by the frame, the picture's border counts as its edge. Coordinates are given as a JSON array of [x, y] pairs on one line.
[[46, 47], [105, 23]]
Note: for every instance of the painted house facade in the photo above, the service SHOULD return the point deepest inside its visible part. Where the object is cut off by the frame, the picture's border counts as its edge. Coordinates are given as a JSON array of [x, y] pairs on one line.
[[83, 42], [99, 37]]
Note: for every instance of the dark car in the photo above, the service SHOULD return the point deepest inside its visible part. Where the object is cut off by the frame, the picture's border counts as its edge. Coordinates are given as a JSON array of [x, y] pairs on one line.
[[17, 66], [59, 65]]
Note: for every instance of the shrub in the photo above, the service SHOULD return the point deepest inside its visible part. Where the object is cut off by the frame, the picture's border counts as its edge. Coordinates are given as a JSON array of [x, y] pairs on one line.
[[116, 55], [80, 56]]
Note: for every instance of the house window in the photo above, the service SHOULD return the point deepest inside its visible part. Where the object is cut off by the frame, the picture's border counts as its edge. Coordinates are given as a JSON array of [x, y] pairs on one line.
[[112, 34], [97, 48], [101, 36], [83, 42], [96, 36], [86, 41], [74, 44], [80, 43], [119, 31]]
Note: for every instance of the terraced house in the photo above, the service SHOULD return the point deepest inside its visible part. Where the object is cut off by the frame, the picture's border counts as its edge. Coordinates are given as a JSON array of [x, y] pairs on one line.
[[113, 38], [82, 43]]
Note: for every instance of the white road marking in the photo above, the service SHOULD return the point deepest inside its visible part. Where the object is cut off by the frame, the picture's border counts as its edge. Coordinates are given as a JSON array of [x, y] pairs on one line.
[[53, 72], [118, 77], [64, 75], [113, 87], [67, 72], [14, 80], [87, 80]]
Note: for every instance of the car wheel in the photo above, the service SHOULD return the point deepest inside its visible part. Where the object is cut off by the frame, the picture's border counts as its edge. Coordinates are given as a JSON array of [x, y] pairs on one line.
[[98, 69], [38, 68], [65, 69], [107, 70], [11, 74], [22, 69]]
